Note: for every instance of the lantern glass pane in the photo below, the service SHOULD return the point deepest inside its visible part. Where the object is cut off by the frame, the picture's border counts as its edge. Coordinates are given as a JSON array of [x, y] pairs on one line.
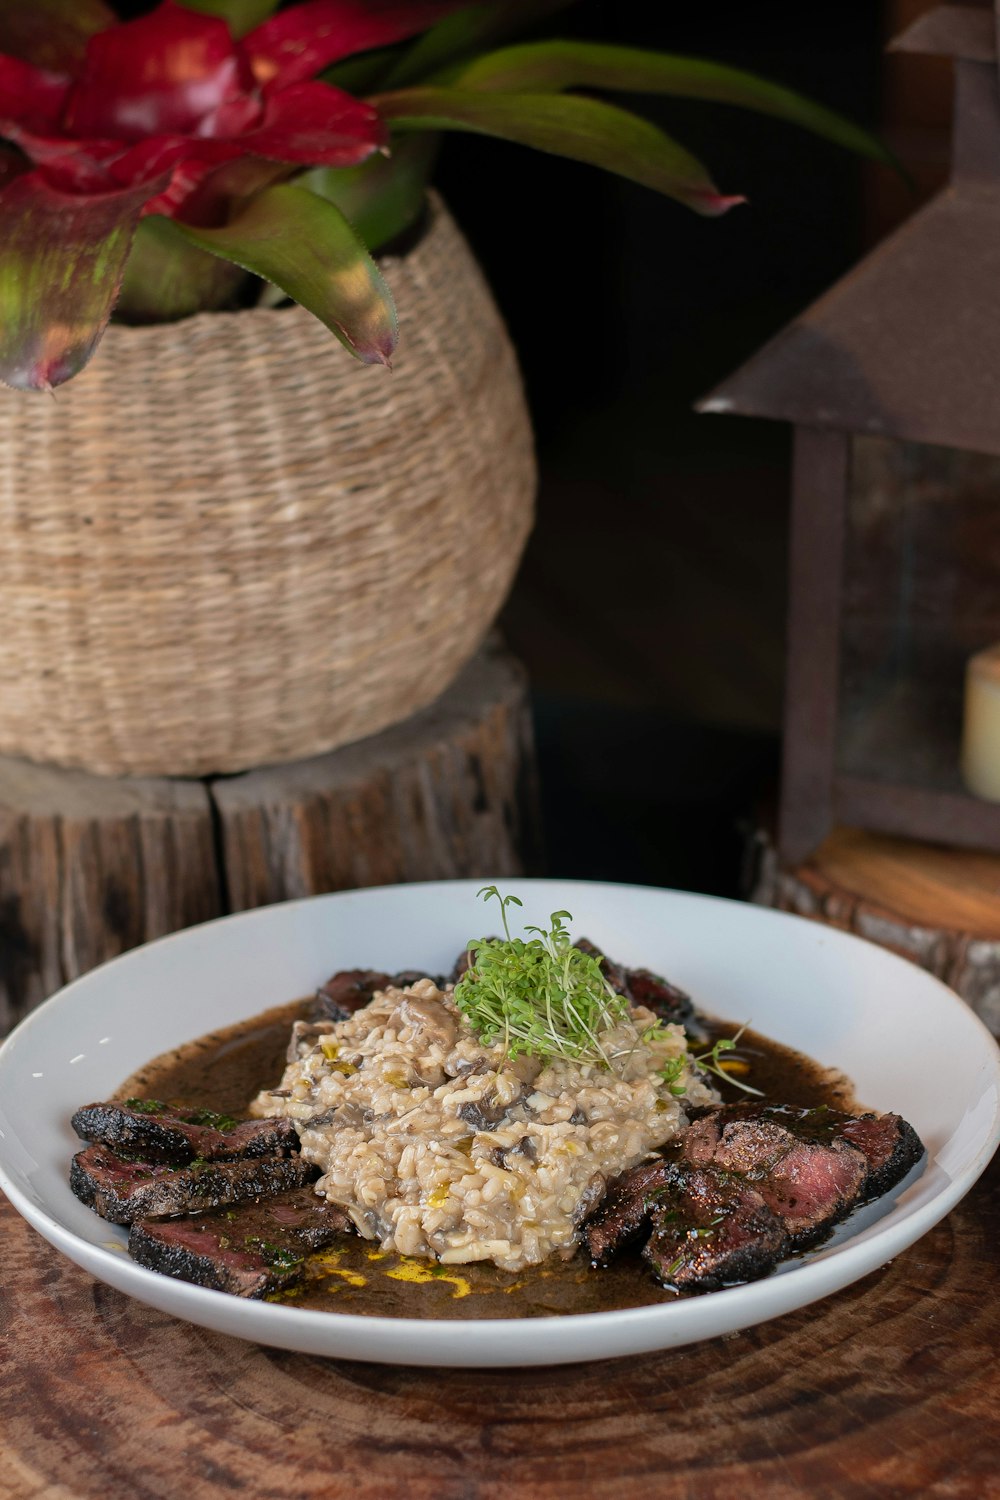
[[921, 593]]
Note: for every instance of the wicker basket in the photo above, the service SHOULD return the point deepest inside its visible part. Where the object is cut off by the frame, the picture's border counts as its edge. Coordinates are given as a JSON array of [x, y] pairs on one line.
[[227, 544]]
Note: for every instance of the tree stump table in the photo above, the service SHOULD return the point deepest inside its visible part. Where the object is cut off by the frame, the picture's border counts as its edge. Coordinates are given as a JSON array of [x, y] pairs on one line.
[[889, 1390], [938, 907], [91, 866]]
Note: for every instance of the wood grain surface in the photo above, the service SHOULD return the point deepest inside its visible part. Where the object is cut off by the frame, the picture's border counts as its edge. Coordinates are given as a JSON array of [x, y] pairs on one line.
[[91, 866], [889, 1390], [448, 793], [937, 906]]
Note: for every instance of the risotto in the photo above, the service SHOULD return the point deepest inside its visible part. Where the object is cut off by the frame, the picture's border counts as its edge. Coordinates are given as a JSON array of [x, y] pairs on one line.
[[441, 1147]]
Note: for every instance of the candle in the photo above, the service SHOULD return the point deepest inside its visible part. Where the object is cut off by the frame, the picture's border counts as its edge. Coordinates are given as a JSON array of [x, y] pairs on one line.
[[981, 734]]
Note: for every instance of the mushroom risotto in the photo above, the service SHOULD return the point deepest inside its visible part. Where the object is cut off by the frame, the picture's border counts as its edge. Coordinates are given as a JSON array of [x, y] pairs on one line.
[[438, 1143]]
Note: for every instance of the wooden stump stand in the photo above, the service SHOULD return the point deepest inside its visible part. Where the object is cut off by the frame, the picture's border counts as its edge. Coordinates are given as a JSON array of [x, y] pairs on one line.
[[938, 907], [91, 866]]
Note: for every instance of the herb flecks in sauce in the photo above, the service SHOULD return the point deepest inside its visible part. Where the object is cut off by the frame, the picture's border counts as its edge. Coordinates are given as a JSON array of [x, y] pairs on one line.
[[728, 1069], [230, 1067]]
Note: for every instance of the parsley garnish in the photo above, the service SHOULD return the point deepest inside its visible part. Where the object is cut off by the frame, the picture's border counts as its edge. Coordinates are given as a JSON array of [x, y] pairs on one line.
[[539, 995]]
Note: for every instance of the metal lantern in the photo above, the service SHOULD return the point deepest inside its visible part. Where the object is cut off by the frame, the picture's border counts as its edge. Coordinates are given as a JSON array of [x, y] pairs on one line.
[[893, 383]]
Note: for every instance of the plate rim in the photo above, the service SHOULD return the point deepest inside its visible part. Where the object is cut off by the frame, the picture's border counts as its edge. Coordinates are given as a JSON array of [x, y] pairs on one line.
[[822, 1273]]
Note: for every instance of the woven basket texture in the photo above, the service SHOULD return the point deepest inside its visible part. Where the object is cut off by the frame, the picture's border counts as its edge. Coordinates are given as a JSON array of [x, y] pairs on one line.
[[227, 544]]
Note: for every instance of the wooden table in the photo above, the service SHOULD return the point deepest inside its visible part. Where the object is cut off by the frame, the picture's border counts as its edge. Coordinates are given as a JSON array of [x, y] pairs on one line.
[[888, 1390]]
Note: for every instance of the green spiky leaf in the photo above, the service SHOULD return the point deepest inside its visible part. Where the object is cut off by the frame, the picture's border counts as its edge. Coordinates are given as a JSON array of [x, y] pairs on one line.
[[544, 66], [363, 74], [465, 33], [240, 15], [167, 277], [305, 246], [385, 195], [586, 130], [62, 257]]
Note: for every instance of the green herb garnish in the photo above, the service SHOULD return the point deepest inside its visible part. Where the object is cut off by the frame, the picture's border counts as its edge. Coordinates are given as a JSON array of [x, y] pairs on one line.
[[539, 995], [278, 1257], [210, 1118], [708, 1062]]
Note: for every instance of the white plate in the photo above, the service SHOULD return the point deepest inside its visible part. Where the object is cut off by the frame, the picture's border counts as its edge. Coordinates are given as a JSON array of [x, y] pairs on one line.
[[909, 1044]]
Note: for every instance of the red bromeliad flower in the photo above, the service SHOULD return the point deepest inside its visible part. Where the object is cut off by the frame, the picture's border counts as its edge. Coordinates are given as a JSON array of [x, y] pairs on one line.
[[130, 149], [170, 115]]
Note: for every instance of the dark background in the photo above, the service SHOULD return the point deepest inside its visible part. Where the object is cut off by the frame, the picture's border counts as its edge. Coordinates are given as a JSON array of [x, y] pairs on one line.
[[649, 609]]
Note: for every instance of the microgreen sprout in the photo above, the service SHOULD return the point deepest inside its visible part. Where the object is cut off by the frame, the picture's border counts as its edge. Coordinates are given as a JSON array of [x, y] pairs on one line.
[[708, 1062], [539, 995]]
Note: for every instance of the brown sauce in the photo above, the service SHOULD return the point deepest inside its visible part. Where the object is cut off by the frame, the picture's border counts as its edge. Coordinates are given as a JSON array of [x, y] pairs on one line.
[[225, 1069]]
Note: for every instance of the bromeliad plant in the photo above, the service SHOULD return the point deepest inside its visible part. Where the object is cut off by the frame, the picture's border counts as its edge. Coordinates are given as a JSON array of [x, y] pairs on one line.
[[161, 166]]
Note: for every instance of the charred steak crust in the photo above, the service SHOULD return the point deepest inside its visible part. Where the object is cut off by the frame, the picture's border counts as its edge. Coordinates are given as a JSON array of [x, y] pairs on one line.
[[156, 1132], [622, 1216], [643, 987], [347, 991], [124, 1191], [890, 1146], [808, 1174], [250, 1251], [744, 1185], [351, 989], [711, 1229]]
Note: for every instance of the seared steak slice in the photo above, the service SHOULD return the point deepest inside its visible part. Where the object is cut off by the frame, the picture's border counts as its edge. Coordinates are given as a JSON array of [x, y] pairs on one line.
[[615, 974], [890, 1146], [810, 1184], [462, 965], [623, 1213], [710, 1230], [154, 1131], [660, 996], [347, 992], [124, 1191], [813, 1187], [250, 1251], [643, 987], [745, 1184], [737, 1133]]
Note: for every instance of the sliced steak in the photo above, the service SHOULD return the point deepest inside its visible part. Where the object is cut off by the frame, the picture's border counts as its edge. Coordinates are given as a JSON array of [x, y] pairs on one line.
[[660, 996], [154, 1131], [643, 987], [123, 1191], [250, 1251], [349, 990], [783, 1174], [804, 1170], [890, 1146], [813, 1187], [622, 1216], [615, 974], [710, 1230]]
